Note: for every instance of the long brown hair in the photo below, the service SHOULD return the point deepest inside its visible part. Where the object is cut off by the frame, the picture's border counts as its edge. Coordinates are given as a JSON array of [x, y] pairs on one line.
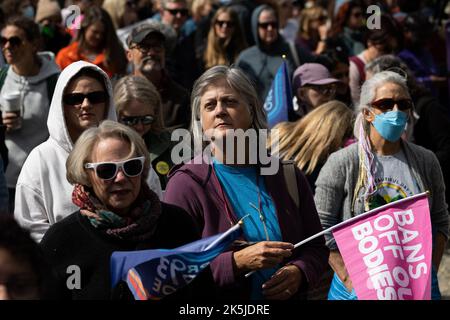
[[216, 51], [114, 53], [310, 140]]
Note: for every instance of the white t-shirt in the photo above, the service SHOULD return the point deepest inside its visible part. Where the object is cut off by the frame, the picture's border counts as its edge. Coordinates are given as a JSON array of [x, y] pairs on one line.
[[393, 179]]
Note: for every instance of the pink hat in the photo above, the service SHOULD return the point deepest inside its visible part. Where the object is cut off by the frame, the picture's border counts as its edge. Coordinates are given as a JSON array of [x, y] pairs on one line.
[[311, 73]]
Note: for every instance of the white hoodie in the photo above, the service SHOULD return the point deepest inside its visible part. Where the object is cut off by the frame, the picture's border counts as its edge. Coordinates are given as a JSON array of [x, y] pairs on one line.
[[43, 194], [35, 109]]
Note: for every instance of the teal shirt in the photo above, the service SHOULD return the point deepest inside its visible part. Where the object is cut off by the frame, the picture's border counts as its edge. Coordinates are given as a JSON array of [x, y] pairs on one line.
[[241, 186]]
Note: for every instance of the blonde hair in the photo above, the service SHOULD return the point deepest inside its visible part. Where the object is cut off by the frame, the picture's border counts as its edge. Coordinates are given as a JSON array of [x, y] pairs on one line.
[[82, 151], [216, 50], [308, 15], [138, 88], [116, 10], [313, 138]]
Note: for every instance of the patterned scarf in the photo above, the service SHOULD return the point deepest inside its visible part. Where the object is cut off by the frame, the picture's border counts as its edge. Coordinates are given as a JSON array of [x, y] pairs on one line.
[[138, 225]]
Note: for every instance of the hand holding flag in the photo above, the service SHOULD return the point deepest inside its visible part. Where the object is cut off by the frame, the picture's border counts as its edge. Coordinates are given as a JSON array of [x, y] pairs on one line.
[[154, 274]]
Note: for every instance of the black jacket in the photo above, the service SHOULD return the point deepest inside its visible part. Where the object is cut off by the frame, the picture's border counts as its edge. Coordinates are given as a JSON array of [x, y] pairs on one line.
[[74, 241]]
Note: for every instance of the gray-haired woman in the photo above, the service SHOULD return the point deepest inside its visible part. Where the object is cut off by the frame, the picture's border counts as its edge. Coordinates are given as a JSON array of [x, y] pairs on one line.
[[219, 192], [118, 212], [379, 169]]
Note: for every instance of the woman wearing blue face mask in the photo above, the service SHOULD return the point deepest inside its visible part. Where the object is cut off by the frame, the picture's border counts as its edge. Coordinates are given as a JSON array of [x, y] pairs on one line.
[[380, 168]]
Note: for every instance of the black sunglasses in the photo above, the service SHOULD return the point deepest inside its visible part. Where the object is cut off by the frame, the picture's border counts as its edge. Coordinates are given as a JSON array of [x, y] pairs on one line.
[[174, 12], [132, 121], [223, 23], [13, 41], [75, 99], [266, 25], [108, 170], [388, 104]]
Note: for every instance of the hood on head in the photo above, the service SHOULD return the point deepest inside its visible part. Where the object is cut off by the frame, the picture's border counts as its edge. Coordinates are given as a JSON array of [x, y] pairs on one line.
[[255, 16], [56, 123]]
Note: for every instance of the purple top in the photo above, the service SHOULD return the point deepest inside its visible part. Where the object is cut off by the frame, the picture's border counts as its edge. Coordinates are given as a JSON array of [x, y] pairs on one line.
[[196, 188]]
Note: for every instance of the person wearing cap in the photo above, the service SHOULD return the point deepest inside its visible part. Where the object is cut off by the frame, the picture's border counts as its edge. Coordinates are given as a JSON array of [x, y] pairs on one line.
[[313, 86], [48, 16], [147, 47]]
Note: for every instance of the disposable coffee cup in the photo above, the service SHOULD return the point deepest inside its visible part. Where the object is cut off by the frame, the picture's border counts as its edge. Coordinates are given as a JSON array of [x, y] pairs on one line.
[[11, 102]]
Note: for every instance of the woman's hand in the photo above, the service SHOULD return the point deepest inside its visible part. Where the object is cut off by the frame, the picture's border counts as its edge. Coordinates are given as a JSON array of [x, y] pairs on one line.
[[263, 255], [283, 284], [11, 120]]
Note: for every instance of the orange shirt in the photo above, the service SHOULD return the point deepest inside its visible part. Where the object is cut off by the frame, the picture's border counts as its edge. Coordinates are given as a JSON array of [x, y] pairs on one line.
[[71, 54]]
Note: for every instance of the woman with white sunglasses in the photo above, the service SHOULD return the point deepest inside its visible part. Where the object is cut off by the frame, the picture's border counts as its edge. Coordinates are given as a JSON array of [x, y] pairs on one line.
[[108, 167]]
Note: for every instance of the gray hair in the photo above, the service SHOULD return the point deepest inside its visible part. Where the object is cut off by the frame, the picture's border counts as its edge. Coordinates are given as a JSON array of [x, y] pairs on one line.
[[82, 151], [368, 92], [240, 83], [138, 88], [388, 62], [361, 130]]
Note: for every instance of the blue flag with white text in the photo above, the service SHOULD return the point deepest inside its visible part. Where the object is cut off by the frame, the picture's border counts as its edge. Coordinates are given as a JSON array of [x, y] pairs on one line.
[[154, 274], [279, 99]]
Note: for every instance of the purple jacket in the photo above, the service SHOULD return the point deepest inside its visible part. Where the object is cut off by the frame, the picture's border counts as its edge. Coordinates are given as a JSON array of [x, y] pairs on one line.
[[196, 188]]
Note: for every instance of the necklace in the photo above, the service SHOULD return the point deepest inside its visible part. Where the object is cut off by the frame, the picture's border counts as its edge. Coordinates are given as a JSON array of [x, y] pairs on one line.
[[260, 211]]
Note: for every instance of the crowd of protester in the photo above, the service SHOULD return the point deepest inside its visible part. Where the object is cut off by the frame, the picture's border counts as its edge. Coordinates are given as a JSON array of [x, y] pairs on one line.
[[92, 90]]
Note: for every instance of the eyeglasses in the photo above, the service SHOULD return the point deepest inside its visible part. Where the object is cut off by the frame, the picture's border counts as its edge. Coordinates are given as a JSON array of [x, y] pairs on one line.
[[223, 23], [182, 12], [108, 170], [13, 41], [74, 99], [265, 25], [145, 48], [388, 104], [132, 121], [328, 90]]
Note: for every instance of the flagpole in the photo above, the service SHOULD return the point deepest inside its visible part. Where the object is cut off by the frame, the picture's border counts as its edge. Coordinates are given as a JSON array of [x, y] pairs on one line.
[[352, 219], [226, 233]]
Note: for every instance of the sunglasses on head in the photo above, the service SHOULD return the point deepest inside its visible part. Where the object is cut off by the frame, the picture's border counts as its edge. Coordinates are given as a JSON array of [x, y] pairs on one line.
[[108, 170], [132, 121], [74, 99], [388, 104], [13, 41], [174, 12], [265, 25], [223, 23]]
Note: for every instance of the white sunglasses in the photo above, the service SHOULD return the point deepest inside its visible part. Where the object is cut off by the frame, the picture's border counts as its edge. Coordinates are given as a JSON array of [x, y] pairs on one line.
[[108, 170]]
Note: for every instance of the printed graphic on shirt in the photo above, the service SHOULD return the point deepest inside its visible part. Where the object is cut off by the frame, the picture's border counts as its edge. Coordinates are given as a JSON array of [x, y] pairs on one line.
[[388, 190]]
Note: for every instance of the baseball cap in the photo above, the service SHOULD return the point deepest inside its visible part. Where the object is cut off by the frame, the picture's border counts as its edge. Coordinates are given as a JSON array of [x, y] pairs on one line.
[[312, 73], [139, 33]]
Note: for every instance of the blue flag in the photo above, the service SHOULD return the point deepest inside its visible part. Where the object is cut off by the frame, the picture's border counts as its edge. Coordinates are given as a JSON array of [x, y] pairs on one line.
[[154, 274], [279, 99]]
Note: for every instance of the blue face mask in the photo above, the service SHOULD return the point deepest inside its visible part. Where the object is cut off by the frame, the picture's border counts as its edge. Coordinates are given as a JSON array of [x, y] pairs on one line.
[[28, 12], [390, 125]]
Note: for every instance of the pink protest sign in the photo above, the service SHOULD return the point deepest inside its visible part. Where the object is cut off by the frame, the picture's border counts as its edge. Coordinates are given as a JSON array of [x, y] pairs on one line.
[[387, 251]]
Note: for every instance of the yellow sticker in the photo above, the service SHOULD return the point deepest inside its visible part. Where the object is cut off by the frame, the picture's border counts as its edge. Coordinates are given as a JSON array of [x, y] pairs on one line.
[[162, 167]]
